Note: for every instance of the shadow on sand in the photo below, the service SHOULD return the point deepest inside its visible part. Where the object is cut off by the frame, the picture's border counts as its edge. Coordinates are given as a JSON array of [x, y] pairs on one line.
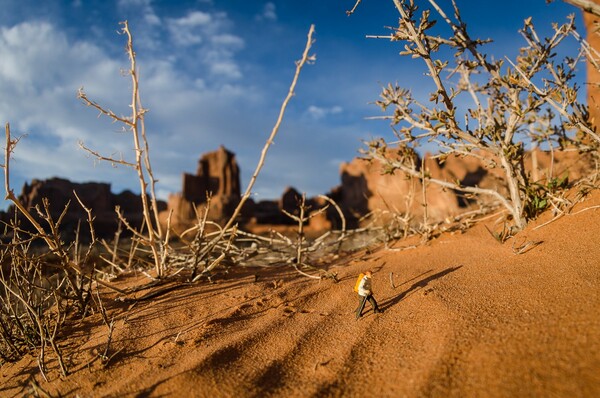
[[420, 284]]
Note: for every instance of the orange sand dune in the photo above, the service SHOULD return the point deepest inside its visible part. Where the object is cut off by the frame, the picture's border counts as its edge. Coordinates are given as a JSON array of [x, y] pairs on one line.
[[465, 317]]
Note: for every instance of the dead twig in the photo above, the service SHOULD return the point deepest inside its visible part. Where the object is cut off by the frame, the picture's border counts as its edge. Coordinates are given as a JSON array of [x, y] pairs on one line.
[[104, 356], [153, 237], [586, 5], [525, 246], [37, 390], [350, 12], [564, 214], [306, 58], [322, 363]]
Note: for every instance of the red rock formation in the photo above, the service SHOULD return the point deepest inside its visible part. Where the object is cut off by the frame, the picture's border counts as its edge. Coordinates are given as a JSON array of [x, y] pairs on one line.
[[217, 177], [217, 173], [290, 201], [366, 189], [95, 196]]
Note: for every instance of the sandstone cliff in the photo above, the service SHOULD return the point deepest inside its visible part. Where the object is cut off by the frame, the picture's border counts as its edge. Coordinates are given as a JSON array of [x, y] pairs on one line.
[[218, 178], [365, 188], [94, 195]]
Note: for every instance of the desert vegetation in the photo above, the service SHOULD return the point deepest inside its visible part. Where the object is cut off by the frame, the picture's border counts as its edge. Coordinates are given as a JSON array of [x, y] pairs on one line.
[[43, 291], [495, 111], [492, 110]]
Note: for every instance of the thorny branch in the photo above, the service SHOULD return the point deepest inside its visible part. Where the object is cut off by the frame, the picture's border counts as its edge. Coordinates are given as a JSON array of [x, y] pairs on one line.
[[351, 11], [306, 58], [586, 5], [509, 108], [153, 238]]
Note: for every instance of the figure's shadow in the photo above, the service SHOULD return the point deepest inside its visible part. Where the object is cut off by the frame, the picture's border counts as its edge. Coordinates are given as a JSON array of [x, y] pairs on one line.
[[420, 284]]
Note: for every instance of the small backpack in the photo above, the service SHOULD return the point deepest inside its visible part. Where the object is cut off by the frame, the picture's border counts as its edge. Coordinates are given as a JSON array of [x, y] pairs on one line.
[[357, 284]]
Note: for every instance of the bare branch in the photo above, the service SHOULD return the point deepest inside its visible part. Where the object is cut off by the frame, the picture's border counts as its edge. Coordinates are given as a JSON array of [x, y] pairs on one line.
[[82, 96], [306, 58], [109, 159], [350, 12], [586, 5]]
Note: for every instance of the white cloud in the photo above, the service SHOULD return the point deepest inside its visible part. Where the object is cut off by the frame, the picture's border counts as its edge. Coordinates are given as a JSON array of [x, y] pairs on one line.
[[196, 96], [140, 7], [185, 37], [318, 113], [193, 28], [193, 19], [152, 19], [227, 69], [227, 39], [268, 13], [214, 44], [20, 46], [144, 22], [41, 71]]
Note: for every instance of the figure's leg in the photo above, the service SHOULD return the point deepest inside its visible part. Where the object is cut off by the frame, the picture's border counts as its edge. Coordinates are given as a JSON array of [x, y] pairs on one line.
[[374, 304], [361, 306]]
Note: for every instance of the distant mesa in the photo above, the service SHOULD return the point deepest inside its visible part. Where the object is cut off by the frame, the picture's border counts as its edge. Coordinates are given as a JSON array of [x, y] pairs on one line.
[[94, 195], [365, 193], [215, 186], [366, 189]]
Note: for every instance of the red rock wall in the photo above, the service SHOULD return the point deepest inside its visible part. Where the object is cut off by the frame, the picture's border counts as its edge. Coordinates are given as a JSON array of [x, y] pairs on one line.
[[95, 196], [217, 176], [365, 189]]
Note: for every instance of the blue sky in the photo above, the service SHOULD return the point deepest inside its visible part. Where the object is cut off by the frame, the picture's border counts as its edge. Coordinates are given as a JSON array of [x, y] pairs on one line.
[[214, 72]]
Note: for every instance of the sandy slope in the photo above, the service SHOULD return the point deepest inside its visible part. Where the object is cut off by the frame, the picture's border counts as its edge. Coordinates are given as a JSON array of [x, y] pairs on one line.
[[466, 317]]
